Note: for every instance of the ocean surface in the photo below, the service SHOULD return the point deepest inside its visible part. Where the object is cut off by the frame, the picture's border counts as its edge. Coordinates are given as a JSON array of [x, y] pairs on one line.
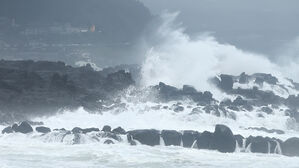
[[36, 151]]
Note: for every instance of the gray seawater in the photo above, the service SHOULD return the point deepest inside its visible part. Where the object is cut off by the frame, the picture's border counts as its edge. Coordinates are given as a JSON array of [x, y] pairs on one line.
[[35, 154]]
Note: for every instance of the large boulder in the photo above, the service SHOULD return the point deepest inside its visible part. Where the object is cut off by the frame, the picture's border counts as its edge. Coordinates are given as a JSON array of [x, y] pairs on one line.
[[106, 128], [146, 137], [258, 144], [77, 130], [24, 128], [291, 147], [7, 130], [43, 130], [226, 82], [119, 130], [205, 140], [171, 137], [224, 139], [189, 137]]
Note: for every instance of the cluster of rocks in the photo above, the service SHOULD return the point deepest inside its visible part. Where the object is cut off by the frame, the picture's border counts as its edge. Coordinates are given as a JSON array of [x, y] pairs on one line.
[[222, 139], [29, 88], [250, 97]]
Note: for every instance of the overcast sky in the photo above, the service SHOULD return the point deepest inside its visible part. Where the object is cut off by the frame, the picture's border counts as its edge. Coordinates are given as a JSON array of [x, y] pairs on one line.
[[262, 26]]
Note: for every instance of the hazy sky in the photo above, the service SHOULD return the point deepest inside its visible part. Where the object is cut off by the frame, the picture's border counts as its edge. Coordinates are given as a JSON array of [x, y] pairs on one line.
[[263, 26]]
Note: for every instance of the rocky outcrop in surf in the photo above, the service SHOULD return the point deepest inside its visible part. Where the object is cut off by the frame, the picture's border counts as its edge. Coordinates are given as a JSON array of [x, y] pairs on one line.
[[222, 139], [29, 88]]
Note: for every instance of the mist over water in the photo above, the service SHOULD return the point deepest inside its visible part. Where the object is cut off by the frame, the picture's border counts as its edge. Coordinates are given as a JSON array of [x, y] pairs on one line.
[[180, 59]]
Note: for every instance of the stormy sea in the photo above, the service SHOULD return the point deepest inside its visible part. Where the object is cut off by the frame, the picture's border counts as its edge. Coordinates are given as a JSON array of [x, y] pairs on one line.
[[80, 90]]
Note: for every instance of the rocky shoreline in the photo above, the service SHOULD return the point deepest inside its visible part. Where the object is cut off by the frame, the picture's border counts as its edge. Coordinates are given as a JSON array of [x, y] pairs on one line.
[[222, 139]]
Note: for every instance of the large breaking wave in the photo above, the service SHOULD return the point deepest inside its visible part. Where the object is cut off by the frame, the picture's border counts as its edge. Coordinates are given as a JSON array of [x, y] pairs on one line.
[[180, 59]]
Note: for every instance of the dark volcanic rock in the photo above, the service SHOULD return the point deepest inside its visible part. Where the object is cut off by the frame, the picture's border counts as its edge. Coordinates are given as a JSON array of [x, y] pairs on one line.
[[7, 130], [239, 139], [106, 128], [267, 130], [226, 82], [244, 78], [224, 139], [267, 110], [108, 141], [146, 137], [77, 130], [258, 144], [171, 137], [239, 101], [42, 87], [205, 140], [170, 93], [189, 137], [24, 128], [43, 129], [178, 109], [212, 109], [119, 130], [88, 130], [291, 147]]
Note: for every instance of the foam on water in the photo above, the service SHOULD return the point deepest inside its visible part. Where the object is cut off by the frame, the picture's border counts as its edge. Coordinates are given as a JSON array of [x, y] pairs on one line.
[[142, 116], [37, 154]]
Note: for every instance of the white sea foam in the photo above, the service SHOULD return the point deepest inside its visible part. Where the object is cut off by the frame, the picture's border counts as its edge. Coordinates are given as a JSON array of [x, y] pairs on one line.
[[36, 155], [180, 60]]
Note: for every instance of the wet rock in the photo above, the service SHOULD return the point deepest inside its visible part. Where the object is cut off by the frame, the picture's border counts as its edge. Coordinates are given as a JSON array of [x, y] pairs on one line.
[[178, 109], [35, 123], [291, 147], [88, 130], [224, 139], [205, 140], [108, 142], [189, 137], [258, 144], [293, 113], [244, 78], [212, 109], [24, 128], [131, 140], [61, 129], [106, 128], [226, 102], [268, 78], [171, 137], [267, 110], [267, 130], [119, 130], [189, 90], [233, 108], [77, 130], [239, 101], [226, 82], [146, 137], [157, 107], [43, 130], [7, 130], [239, 138]]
